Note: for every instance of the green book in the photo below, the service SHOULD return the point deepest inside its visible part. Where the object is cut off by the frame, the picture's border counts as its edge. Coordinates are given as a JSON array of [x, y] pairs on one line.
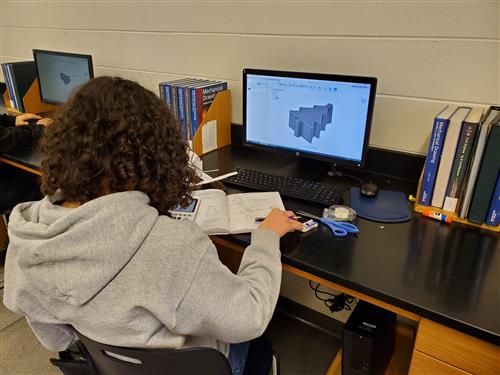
[[486, 180]]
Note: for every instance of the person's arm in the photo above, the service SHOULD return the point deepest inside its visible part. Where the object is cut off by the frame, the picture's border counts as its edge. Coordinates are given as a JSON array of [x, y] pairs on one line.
[[16, 134], [233, 308], [7, 120], [19, 137]]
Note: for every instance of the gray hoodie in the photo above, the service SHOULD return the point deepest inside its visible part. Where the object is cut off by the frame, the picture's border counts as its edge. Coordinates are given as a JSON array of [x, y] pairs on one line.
[[123, 275]]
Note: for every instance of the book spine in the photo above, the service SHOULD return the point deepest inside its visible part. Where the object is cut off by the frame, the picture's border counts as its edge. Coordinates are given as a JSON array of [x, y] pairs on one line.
[[459, 168], [487, 177], [187, 112], [182, 117], [8, 79], [194, 110], [432, 161], [17, 95], [160, 90], [166, 95], [175, 102], [199, 107], [493, 216], [473, 170]]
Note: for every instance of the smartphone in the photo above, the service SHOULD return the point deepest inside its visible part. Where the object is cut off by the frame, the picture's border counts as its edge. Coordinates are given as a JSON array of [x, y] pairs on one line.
[[186, 213]]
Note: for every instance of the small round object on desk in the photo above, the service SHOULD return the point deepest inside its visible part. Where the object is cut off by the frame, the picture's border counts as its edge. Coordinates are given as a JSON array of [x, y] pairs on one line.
[[339, 213]]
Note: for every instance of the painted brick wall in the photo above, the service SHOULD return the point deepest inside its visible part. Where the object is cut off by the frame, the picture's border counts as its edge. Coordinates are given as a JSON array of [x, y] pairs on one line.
[[425, 53]]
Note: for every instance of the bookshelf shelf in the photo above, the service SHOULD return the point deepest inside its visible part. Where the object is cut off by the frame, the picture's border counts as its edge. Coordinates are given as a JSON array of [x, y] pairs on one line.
[[419, 208]]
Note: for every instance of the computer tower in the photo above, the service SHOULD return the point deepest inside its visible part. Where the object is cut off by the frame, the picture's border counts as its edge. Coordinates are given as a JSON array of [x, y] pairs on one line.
[[368, 345]]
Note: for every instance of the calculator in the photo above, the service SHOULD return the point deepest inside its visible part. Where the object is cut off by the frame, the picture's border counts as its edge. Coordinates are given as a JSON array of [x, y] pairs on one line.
[[186, 213]]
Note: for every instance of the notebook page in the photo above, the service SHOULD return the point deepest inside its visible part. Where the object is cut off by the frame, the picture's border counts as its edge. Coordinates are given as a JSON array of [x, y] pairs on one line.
[[246, 207], [213, 213]]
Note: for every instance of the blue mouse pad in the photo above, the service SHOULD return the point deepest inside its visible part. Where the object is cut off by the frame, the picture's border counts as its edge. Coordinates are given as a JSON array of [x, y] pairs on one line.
[[386, 207]]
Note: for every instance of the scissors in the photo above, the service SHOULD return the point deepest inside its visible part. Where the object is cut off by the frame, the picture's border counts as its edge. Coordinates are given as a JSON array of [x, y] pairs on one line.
[[338, 228]]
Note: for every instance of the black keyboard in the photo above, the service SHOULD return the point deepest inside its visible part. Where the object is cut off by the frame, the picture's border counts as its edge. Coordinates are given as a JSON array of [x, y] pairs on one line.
[[287, 186]]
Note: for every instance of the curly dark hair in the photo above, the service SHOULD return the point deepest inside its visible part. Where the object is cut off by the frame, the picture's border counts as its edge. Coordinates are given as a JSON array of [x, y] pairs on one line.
[[113, 135]]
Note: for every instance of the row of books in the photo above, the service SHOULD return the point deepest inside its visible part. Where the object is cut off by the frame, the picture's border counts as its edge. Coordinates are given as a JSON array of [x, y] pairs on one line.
[[461, 173], [19, 77], [189, 99]]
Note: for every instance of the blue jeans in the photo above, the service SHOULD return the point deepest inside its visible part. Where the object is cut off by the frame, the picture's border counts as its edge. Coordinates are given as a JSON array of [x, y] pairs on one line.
[[238, 357]]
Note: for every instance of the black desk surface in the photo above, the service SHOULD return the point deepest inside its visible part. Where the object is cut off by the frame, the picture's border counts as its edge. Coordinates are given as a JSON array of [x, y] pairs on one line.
[[446, 273], [29, 158]]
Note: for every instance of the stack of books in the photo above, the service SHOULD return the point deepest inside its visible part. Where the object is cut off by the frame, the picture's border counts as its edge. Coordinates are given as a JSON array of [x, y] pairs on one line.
[[19, 76], [189, 100], [461, 173]]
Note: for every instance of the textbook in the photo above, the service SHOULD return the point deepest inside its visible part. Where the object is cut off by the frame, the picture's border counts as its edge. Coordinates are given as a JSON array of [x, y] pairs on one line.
[[441, 122], [185, 104], [201, 98], [20, 76], [448, 155], [487, 177], [493, 216], [219, 213], [462, 159], [491, 116]]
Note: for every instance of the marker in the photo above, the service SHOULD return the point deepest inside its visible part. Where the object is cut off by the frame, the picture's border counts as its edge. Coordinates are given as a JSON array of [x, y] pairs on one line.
[[437, 216], [261, 219]]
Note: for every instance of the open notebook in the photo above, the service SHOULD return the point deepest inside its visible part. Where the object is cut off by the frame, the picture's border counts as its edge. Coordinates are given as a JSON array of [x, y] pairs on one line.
[[235, 213]]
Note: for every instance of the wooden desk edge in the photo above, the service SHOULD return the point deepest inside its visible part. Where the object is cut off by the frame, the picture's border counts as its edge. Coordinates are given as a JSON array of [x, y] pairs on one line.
[[18, 165], [327, 283], [362, 296]]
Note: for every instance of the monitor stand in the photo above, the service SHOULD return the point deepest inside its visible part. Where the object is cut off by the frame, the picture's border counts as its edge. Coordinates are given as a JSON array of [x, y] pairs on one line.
[[312, 170], [334, 172]]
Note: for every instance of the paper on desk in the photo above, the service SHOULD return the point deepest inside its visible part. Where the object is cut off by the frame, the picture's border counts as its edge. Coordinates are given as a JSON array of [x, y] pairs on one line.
[[206, 179]]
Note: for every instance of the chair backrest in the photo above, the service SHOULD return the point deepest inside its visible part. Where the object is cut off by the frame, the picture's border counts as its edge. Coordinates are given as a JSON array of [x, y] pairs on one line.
[[114, 360]]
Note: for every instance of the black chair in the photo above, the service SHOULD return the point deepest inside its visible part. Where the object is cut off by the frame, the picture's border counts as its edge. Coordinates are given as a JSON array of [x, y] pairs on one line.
[[93, 358]]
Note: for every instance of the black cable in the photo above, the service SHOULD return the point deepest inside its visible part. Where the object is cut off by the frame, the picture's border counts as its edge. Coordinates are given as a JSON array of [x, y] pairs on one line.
[[336, 173], [336, 302]]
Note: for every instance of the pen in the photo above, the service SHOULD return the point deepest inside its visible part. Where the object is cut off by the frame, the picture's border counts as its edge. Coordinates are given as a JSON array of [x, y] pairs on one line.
[[261, 219], [437, 216]]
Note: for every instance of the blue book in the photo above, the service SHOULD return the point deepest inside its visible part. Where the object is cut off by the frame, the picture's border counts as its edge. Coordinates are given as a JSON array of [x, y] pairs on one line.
[[10, 87], [181, 107], [441, 122], [165, 93], [463, 156], [493, 216]]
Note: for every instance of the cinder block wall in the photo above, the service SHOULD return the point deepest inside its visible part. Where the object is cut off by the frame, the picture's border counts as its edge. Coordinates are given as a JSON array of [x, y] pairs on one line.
[[425, 53]]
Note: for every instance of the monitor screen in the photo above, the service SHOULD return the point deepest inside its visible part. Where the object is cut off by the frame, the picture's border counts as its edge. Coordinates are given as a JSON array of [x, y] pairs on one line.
[[59, 73], [321, 116]]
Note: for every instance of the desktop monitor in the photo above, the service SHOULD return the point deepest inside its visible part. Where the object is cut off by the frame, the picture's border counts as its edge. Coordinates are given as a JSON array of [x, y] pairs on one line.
[[59, 73], [319, 116]]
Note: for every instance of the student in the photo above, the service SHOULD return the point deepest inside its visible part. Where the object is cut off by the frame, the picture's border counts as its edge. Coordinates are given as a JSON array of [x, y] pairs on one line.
[[17, 134], [100, 252]]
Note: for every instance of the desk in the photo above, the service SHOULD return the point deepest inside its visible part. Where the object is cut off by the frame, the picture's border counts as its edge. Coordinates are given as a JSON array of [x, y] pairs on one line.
[[29, 160], [445, 278]]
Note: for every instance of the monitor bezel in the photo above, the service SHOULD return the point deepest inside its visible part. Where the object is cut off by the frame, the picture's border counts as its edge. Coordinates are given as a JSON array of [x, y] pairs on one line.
[[372, 81], [58, 53]]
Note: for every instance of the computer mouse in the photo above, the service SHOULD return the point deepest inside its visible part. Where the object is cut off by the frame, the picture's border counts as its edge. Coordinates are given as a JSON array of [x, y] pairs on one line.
[[369, 190]]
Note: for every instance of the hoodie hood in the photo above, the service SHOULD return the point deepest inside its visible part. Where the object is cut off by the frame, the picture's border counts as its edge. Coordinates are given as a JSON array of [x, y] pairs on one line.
[[73, 244]]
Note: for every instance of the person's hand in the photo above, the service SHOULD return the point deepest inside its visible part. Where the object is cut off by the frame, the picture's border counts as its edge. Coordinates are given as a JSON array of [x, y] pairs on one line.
[[280, 222], [23, 119], [46, 121]]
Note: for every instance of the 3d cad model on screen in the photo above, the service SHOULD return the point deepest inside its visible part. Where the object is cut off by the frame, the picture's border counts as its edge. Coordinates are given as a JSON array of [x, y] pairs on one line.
[[308, 122]]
